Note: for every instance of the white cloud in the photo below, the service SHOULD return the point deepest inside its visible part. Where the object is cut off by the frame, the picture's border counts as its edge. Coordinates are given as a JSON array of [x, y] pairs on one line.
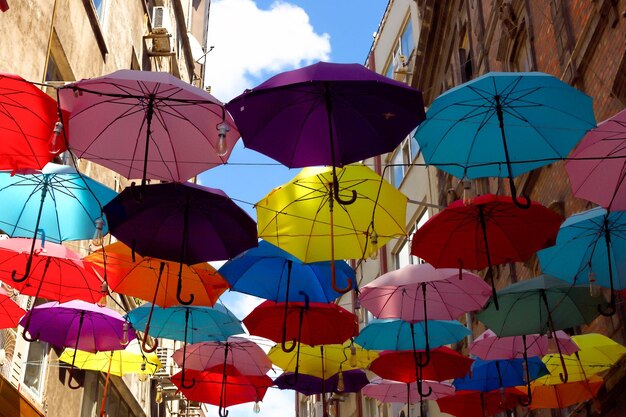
[[252, 44]]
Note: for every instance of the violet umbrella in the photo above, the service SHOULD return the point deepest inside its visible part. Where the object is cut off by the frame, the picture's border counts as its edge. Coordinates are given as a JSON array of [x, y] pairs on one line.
[[341, 382], [147, 125], [79, 325], [185, 223], [597, 167], [418, 293]]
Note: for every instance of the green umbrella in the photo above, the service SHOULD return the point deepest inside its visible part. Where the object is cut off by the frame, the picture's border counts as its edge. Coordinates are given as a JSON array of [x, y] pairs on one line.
[[543, 305]]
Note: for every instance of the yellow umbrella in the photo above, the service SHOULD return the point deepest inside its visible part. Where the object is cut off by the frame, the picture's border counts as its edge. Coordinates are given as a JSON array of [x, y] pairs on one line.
[[306, 219], [597, 353], [119, 362], [322, 361]]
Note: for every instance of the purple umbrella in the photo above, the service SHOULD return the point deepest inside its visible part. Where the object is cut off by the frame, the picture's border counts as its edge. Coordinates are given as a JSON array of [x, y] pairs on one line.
[[351, 381], [79, 325], [184, 223]]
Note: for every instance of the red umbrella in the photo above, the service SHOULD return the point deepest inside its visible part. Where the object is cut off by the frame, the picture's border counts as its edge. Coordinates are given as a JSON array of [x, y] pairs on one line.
[[480, 404], [445, 363], [489, 230], [10, 312], [56, 272], [223, 390], [27, 125]]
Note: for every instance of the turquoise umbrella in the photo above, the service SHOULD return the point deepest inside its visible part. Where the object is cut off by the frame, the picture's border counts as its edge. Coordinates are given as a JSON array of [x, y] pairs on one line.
[[188, 324], [503, 125], [590, 249], [55, 204]]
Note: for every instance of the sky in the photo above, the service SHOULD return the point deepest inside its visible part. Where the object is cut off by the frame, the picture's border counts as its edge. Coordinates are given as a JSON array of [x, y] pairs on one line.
[[254, 40]]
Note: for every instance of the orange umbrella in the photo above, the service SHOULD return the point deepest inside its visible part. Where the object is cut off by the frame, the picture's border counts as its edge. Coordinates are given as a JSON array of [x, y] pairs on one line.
[[157, 280], [564, 395]]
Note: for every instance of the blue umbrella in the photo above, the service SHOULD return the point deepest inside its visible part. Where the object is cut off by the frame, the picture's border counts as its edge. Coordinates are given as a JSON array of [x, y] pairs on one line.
[[186, 323], [490, 375], [55, 204], [503, 125], [591, 248]]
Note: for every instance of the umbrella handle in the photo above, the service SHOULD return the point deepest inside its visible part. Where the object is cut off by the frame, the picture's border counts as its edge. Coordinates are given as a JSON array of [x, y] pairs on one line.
[[145, 345], [69, 383], [222, 412], [284, 347], [426, 359], [420, 389], [515, 197], [336, 195], [29, 263], [179, 289], [521, 401], [191, 385], [607, 237], [27, 338]]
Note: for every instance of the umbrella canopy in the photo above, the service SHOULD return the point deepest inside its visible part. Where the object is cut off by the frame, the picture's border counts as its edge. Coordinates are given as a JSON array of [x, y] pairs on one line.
[[597, 168], [185, 223], [146, 124], [27, 122], [395, 334], [444, 364], [351, 381], [77, 324], [388, 391], [489, 346], [481, 404], [212, 389], [69, 202], [503, 125], [308, 323], [56, 273], [322, 361], [590, 244], [130, 360], [298, 216], [564, 395], [400, 293], [269, 272], [333, 114], [144, 278], [238, 356], [10, 312], [489, 230], [490, 375]]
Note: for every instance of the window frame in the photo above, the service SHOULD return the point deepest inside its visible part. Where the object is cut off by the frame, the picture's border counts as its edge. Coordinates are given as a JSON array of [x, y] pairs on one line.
[[43, 365]]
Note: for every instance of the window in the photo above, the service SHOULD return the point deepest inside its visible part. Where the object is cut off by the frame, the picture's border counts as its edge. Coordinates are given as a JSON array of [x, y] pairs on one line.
[[520, 58], [402, 256], [406, 40], [402, 159], [99, 6], [34, 368]]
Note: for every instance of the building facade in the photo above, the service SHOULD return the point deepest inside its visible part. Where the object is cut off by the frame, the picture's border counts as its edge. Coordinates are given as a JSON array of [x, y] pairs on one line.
[[54, 42]]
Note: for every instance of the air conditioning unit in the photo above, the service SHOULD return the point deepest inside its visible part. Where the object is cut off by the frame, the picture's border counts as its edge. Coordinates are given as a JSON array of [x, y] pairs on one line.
[[161, 29], [400, 67]]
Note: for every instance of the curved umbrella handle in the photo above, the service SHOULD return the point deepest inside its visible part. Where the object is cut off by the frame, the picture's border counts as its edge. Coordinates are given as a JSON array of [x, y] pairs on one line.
[[420, 389], [179, 289], [564, 375], [283, 344], [222, 412], [28, 339], [418, 359], [521, 401], [184, 385], [607, 237], [69, 383], [336, 195], [515, 197], [426, 360], [145, 345], [26, 273], [342, 290]]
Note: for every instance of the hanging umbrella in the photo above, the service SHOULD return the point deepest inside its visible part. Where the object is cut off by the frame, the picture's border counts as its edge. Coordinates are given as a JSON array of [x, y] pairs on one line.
[[241, 357], [269, 272], [186, 323], [489, 230], [341, 382], [503, 125], [444, 364], [77, 324], [489, 346], [597, 168], [56, 273], [443, 293], [155, 279], [10, 312], [185, 223], [56, 204], [591, 248], [481, 404], [547, 304], [563, 395], [147, 125], [486, 376], [27, 124], [300, 217], [334, 114]]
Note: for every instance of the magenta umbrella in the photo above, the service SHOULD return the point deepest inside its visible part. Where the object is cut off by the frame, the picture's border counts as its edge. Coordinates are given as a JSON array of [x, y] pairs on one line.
[[146, 124], [597, 167], [489, 346], [420, 293], [79, 325], [236, 356]]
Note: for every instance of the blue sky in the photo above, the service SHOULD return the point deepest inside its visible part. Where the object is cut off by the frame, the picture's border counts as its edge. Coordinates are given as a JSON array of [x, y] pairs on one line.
[[253, 40]]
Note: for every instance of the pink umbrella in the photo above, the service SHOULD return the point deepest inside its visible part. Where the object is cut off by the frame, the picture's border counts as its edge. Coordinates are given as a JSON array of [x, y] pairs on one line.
[[421, 293], [147, 125], [597, 168], [237, 356], [388, 391], [489, 346]]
